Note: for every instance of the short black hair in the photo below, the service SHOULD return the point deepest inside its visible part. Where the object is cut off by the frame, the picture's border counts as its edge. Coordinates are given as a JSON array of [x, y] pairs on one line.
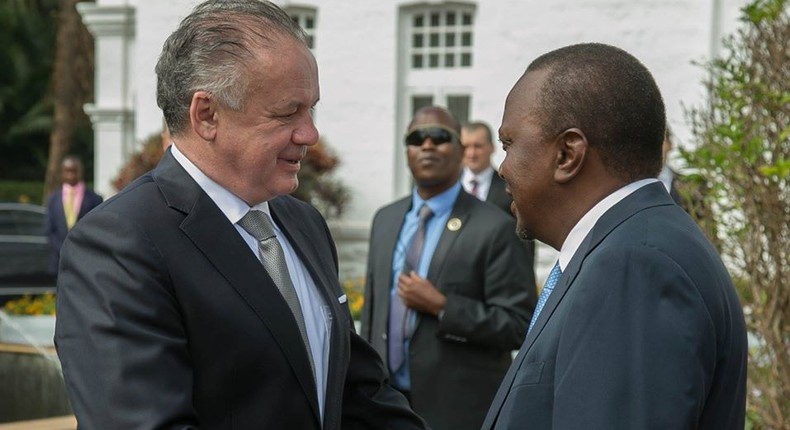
[[612, 97]]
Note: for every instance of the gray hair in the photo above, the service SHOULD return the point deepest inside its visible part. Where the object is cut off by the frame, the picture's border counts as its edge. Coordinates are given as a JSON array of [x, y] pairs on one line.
[[211, 50]]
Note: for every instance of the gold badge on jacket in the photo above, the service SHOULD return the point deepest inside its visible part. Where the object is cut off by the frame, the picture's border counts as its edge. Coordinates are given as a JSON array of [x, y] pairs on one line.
[[454, 224]]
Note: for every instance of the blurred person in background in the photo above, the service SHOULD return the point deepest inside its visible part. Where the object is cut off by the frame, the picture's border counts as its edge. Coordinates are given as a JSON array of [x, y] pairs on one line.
[[482, 180], [66, 206]]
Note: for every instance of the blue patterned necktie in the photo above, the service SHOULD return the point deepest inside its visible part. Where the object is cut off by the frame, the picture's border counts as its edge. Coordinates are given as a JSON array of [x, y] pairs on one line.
[[398, 312], [551, 281]]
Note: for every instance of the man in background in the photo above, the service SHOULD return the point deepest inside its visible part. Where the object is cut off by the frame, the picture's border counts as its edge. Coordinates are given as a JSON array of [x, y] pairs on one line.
[[447, 296], [482, 180], [66, 206]]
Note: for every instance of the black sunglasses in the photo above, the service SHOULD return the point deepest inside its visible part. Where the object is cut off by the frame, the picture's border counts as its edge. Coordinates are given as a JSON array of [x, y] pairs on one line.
[[437, 134]]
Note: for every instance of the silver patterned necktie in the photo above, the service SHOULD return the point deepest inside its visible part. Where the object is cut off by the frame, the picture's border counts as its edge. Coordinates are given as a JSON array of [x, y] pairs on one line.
[[398, 316], [258, 225], [548, 287]]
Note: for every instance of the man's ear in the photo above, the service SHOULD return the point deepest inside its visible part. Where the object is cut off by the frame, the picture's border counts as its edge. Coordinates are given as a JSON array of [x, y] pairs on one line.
[[572, 149], [203, 115]]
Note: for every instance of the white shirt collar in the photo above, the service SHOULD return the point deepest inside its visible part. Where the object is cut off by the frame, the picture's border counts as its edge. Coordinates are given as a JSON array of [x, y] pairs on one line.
[[482, 177], [587, 222], [231, 205]]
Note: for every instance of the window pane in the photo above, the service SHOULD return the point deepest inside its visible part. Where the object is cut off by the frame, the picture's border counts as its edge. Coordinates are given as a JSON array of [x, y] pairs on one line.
[[417, 41], [466, 59], [449, 60], [466, 39], [419, 102], [30, 223], [7, 223], [416, 61], [449, 40], [450, 18], [434, 39], [459, 107], [418, 20], [467, 19], [434, 19], [309, 22], [433, 60]]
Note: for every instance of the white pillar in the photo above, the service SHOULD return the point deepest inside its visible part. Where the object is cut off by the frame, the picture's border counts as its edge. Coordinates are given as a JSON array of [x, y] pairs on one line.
[[112, 113]]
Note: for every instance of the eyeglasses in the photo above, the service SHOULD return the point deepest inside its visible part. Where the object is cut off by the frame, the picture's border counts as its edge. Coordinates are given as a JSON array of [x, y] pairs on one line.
[[437, 133]]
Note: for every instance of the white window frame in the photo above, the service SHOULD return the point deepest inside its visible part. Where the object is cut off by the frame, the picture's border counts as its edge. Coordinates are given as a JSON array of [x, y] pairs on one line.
[[441, 36], [301, 15]]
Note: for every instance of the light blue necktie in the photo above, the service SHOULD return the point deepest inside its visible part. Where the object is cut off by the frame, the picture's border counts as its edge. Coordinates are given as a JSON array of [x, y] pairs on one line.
[[551, 281]]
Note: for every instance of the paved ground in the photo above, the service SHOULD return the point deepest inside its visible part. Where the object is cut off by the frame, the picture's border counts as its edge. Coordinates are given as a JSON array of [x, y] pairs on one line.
[[59, 423]]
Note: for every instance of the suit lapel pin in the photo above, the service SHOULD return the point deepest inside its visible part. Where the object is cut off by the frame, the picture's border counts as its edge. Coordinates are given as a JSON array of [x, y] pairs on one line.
[[454, 224]]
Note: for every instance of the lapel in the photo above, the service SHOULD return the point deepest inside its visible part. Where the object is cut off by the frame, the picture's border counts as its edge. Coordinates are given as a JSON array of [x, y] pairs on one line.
[[647, 196], [461, 211], [496, 192], [57, 209], [215, 237], [387, 234], [292, 224], [87, 200]]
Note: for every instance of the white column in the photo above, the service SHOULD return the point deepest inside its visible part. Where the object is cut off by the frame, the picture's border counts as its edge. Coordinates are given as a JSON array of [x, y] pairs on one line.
[[112, 113]]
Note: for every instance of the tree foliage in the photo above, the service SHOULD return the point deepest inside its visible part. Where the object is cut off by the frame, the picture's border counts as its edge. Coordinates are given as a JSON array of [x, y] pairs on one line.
[[27, 36], [316, 184], [140, 162], [28, 30], [743, 153], [72, 87]]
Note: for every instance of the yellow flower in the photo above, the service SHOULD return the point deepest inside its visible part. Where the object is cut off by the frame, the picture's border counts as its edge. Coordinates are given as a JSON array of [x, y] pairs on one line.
[[353, 288], [31, 305]]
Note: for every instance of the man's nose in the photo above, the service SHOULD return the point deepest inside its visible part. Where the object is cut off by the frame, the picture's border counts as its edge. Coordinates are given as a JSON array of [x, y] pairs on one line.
[[305, 134], [428, 143]]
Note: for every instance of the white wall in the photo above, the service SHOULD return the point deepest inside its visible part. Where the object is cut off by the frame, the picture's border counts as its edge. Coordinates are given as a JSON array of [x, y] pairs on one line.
[[357, 52]]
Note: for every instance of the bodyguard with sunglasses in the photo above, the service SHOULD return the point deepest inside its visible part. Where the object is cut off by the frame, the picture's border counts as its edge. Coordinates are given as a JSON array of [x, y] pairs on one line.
[[447, 296]]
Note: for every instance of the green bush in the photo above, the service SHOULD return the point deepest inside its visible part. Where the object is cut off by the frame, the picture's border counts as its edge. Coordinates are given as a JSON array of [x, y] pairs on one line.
[[22, 192], [743, 151]]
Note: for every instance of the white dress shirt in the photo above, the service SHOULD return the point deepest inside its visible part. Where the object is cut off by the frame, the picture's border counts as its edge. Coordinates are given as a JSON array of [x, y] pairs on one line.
[[483, 182], [317, 316], [587, 222]]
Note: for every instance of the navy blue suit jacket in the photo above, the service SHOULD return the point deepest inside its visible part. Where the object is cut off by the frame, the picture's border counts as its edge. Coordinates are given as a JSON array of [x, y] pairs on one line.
[[643, 330], [56, 229]]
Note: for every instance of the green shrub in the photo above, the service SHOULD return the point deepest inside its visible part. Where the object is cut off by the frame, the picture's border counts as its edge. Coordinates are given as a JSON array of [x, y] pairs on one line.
[[744, 153], [22, 191]]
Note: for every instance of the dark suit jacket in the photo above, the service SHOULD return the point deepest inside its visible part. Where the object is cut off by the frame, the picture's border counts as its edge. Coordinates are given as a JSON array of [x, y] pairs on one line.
[[456, 364], [498, 197], [167, 320], [643, 330], [56, 229]]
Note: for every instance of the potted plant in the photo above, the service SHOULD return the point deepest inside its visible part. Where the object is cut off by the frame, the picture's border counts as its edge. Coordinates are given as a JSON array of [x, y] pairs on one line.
[[29, 320]]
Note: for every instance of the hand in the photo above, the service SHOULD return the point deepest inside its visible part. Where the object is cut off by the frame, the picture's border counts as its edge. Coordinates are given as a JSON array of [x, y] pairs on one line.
[[419, 294]]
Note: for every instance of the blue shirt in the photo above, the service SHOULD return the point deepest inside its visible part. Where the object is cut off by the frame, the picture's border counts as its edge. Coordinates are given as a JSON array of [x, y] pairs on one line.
[[441, 205]]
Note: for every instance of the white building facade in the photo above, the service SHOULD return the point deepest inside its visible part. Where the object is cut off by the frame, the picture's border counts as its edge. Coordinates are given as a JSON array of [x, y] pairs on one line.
[[380, 60]]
